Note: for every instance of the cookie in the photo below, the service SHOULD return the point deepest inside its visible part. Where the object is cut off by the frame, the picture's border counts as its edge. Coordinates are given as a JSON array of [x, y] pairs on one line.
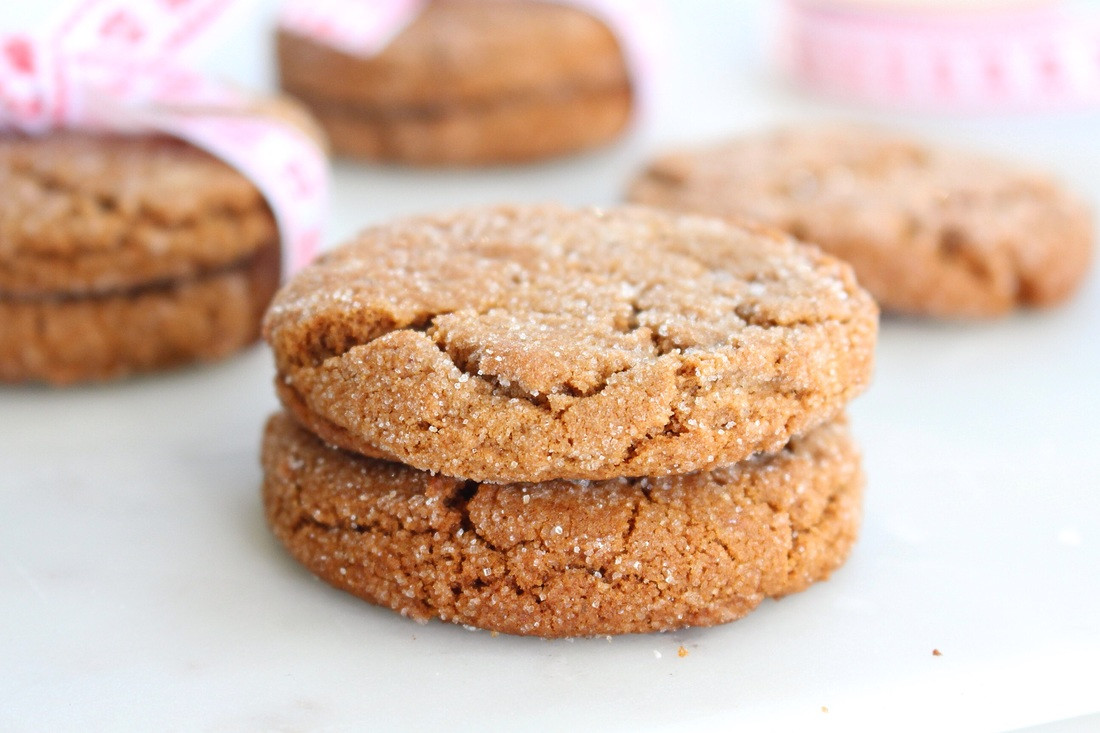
[[929, 231], [536, 343], [124, 254], [63, 340], [468, 82], [565, 558]]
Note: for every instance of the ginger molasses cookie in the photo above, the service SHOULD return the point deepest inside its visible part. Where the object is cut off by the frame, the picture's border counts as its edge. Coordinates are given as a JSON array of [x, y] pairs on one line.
[[536, 343], [928, 230], [466, 82], [565, 558], [122, 254]]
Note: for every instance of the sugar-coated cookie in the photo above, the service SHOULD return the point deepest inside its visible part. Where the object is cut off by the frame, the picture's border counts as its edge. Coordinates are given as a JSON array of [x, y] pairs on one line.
[[566, 558], [536, 343], [928, 230], [468, 82], [126, 254]]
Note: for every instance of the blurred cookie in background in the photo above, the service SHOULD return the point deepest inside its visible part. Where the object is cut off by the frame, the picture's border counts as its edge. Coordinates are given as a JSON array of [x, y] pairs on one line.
[[930, 231], [121, 254], [458, 82], [148, 211]]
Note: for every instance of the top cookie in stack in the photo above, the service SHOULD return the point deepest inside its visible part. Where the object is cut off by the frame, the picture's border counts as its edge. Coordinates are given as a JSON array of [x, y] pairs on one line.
[[611, 421], [531, 344], [468, 83], [126, 254]]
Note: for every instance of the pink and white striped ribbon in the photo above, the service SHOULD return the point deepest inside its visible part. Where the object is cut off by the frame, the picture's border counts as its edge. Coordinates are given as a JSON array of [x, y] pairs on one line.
[[1035, 57], [117, 66], [364, 27]]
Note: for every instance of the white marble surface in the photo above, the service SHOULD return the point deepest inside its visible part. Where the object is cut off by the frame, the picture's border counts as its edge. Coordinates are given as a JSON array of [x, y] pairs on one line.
[[140, 589]]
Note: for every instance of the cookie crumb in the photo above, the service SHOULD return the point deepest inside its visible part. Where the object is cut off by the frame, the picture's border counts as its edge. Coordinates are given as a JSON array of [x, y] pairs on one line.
[[682, 652], [824, 709], [937, 653]]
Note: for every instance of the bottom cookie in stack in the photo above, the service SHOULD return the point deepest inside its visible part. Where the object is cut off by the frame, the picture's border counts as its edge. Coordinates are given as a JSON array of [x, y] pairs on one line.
[[66, 339], [566, 558]]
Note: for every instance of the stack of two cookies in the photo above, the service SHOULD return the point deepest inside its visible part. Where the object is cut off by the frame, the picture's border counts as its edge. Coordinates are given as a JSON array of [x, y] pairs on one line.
[[555, 422], [126, 254]]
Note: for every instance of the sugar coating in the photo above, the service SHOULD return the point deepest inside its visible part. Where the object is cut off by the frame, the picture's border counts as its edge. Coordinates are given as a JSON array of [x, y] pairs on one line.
[[928, 230], [88, 214], [532, 343], [566, 558], [468, 83]]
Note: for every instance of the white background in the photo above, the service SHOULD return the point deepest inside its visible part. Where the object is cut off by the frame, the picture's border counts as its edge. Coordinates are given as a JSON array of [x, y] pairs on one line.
[[140, 589]]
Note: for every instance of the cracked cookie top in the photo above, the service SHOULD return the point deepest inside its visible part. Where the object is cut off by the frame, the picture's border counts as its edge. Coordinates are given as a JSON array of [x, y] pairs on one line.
[[86, 214], [534, 343], [928, 230]]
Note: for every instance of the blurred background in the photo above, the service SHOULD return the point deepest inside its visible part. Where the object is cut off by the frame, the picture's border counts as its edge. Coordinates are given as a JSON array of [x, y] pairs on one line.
[[720, 68]]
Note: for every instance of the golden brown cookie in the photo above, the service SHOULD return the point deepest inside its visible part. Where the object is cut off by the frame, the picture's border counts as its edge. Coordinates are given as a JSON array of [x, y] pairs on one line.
[[928, 230], [566, 558], [61, 340], [83, 214], [123, 254], [533, 343], [468, 82]]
